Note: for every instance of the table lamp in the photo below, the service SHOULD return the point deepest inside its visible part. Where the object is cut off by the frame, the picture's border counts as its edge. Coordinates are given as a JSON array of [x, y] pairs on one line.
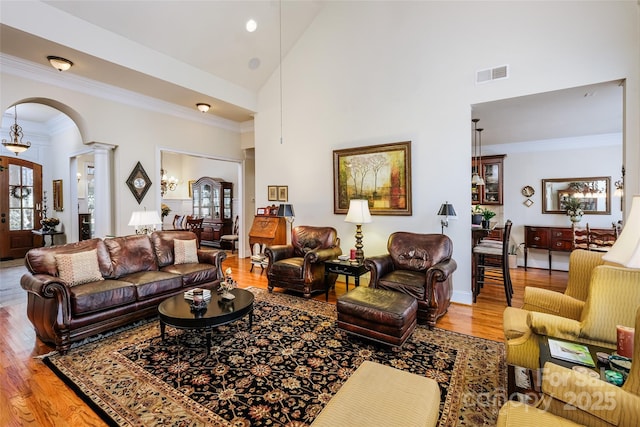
[[358, 214], [446, 210], [145, 221]]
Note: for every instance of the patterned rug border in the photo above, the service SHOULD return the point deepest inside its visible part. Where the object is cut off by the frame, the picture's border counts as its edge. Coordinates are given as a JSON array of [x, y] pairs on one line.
[[193, 413]]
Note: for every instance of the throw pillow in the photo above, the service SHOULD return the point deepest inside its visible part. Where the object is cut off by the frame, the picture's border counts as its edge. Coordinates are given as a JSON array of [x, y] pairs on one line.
[[185, 251], [78, 268]]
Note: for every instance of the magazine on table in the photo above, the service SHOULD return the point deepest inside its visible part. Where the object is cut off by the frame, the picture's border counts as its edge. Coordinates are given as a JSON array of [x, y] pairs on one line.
[[571, 352]]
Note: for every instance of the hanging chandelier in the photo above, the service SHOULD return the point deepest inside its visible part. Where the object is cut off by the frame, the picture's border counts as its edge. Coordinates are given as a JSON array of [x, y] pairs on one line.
[[15, 133], [167, 184]]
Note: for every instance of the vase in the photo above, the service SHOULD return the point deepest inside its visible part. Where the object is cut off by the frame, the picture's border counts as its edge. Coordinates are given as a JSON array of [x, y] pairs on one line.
[[575, 218]]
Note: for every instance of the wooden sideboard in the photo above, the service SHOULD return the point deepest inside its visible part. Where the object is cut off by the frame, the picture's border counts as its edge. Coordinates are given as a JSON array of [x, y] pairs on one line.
[[559, 239], [268, 230]]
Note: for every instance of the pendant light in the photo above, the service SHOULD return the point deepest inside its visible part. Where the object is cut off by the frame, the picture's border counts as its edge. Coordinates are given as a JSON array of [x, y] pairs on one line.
[[15, 144], [476, 178], [480, 180]]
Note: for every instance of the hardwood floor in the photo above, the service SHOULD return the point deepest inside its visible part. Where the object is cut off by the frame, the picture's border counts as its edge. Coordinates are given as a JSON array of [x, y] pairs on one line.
[[32, 395]]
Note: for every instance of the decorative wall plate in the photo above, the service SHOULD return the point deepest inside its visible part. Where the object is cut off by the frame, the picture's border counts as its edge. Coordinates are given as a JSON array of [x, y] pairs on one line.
[[528, 191], [528, 203], [138, 182]]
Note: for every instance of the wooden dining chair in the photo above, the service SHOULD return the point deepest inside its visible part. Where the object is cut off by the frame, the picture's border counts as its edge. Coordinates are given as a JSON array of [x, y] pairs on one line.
[[195, 225]]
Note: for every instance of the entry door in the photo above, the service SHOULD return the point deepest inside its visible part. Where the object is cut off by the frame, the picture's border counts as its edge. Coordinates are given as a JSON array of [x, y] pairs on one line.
[[21, 189]]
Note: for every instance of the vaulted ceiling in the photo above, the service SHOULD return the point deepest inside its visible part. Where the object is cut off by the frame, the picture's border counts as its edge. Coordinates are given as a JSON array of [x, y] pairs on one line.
[[185, 52]]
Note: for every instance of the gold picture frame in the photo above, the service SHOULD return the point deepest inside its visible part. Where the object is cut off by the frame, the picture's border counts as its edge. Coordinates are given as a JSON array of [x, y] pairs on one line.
[[58, 204], [283, 193], [191, 182], [272, 193], [380, 174]]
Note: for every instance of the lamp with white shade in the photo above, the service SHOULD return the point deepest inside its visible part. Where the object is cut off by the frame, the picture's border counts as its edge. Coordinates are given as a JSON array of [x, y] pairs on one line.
[[358, 214], [145, 221], [626, 250]]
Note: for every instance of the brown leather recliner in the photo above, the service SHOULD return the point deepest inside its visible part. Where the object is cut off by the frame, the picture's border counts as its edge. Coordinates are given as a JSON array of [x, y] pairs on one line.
[[419, 265], [300, 265]]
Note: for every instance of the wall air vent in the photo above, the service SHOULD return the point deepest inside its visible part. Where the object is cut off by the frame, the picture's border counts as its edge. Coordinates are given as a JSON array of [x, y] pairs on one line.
[[490, 74]]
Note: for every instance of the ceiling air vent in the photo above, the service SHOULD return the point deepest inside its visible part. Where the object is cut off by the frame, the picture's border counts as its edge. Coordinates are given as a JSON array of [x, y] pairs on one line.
[[490, 74]]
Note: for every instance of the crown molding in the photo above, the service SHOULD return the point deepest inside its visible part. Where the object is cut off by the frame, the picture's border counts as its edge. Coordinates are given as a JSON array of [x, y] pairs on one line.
[[29, 70]]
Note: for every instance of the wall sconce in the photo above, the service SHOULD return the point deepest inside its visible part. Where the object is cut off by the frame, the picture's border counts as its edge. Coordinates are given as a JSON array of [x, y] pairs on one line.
[[167, 184], [145, 221], [446, 210], [358, 214]]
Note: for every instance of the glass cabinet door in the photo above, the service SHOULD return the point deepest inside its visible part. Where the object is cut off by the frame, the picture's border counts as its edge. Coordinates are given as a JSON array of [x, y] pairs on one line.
[[216, 203], [227, 203], [491, 182]]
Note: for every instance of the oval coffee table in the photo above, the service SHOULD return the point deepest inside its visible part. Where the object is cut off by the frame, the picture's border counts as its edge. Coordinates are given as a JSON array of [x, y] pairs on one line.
[[176, 311]]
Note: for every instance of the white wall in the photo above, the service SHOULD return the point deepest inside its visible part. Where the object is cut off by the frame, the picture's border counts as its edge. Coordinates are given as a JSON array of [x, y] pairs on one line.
[[138, 132], [377, 72]]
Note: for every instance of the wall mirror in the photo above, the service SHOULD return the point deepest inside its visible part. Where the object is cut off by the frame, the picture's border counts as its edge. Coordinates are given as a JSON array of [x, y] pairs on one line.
[[593, 192]]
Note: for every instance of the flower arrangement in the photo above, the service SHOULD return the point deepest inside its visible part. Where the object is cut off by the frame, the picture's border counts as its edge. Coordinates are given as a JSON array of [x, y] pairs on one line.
[[164, 209], [49, 223], [573, 207]]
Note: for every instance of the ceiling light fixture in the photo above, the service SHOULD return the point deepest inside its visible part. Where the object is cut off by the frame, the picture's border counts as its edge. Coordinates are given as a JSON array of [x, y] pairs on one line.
[[203, 107], [60, 64], [15, 133], [251, 25]]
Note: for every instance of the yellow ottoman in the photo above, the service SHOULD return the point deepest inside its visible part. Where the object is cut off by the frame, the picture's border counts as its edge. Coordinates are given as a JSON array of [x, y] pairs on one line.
[[379, 395]]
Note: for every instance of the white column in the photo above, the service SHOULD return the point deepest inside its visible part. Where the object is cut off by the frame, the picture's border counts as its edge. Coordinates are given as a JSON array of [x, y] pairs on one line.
[[104, 204]]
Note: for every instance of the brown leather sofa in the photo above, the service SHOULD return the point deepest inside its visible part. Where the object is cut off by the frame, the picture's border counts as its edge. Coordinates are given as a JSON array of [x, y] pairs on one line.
[[138, 273], [300, 265], [419, 265]]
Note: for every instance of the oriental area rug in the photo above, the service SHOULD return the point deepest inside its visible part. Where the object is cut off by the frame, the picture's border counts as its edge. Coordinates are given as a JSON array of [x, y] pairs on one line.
[[282, 372]]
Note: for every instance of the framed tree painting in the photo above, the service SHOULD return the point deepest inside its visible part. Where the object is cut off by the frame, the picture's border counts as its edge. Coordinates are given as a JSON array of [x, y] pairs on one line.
[[380, 174]]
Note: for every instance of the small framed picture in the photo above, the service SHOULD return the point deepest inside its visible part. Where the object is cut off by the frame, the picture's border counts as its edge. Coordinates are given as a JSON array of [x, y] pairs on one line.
[[283, 193], [261, 211], [272, 193]]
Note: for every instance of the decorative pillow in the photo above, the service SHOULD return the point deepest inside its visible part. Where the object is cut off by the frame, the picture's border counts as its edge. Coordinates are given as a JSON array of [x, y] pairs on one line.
[[79, 267], [185, 251]]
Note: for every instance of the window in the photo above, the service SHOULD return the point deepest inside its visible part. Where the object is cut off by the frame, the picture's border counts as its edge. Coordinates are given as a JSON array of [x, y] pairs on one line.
[[22, 212]]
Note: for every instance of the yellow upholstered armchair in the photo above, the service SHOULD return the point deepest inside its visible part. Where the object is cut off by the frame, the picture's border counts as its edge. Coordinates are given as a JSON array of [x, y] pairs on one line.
[[613, 296], [571, 397], [300, 265]]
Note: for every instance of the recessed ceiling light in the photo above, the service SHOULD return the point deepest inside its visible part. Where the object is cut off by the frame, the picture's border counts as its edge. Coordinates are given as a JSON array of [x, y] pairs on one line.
[[60, 64], [254, 63], [203, 107], [251, 25]]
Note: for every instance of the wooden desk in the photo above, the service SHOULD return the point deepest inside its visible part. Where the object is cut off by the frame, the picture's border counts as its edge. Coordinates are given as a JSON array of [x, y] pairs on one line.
[[44, 235], [268, 230]]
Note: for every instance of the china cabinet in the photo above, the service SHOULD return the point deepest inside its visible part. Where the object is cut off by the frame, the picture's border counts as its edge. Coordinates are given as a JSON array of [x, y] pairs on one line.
[[212, 201], [491, 172]]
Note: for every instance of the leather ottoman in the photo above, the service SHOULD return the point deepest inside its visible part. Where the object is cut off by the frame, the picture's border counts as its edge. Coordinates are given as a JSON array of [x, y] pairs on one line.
[[377, 314]]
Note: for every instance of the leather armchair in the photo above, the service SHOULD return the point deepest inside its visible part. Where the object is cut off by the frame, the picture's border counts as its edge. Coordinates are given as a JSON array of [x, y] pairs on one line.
[[300, 265], [613, 297], [569, 397], [419, 265]]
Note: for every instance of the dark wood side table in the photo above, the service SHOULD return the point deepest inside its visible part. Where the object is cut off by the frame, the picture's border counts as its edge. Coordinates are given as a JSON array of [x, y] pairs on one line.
[[44, 235], [545, 356], [342, 267]]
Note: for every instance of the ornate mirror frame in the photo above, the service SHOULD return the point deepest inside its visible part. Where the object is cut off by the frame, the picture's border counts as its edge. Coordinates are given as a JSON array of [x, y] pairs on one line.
[[594, 192]]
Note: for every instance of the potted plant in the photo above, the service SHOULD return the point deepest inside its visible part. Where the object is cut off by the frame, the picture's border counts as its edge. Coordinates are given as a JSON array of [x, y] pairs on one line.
[[476, 215], [486, 217], [165, 209], [513, 255]]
